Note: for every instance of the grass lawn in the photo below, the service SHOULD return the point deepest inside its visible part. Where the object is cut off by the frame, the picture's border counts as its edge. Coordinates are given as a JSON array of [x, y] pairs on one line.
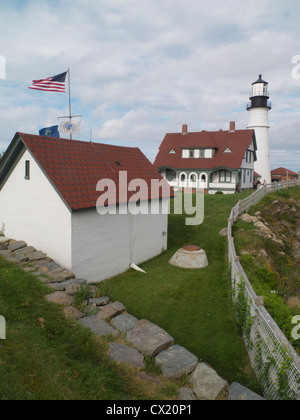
[[194, 306], [46, 357]]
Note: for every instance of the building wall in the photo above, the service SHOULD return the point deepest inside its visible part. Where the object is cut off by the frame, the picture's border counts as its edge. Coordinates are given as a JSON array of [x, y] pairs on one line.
[[259, 120], [104, 246], [32, 211]]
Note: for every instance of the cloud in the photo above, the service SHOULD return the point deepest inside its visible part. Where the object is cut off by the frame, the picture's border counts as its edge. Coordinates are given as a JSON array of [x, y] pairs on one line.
[[141, 68]]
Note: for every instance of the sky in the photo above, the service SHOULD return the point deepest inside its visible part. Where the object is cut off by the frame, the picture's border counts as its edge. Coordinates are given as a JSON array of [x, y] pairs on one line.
[[142, 68]]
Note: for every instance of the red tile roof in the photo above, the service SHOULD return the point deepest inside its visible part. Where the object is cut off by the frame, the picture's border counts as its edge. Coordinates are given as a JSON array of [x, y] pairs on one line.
[[75, 167], [283, 171], [237, 141]]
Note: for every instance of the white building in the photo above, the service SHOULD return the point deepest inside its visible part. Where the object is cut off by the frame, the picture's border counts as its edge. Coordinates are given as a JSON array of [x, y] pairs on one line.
[[259, 108], [48, 196]]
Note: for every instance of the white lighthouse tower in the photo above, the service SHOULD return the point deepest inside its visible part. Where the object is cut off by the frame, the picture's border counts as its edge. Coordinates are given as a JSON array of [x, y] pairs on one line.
[[259, 108]]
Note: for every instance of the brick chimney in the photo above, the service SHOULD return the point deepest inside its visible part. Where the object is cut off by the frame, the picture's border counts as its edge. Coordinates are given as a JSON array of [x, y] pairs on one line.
[[184, 129], [232, 127]]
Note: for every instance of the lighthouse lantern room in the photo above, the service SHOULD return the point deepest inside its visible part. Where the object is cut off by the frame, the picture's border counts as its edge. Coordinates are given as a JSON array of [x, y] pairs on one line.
[[259, 108]]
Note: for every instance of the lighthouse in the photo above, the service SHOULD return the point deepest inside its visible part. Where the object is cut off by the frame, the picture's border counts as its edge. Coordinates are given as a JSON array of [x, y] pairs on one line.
[[259, 108]]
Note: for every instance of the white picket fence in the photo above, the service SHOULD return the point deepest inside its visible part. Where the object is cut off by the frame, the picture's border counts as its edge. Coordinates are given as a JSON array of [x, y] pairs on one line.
[[273, 359]]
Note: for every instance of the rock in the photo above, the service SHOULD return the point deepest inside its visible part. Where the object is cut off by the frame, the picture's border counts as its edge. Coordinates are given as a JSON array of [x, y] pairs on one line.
[[124, 354], [36, 255], [60, 275], [294, 302], [60, 297], [26, 250], [207, 384], [71, 289], [262, 253], [73, 313], [238, 392], [111, 310], [6, 253], [100, 301], [50, 266], [248, 219], [186, 394], [62, 285], [223, 232], [66, 275], [4, 240], [98, 326], [185, 258], [124, 322], [149, 338], [16, 245], [176, 361]]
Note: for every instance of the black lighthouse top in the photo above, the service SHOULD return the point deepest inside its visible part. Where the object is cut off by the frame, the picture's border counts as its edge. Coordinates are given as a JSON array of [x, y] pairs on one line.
[[259, 95]]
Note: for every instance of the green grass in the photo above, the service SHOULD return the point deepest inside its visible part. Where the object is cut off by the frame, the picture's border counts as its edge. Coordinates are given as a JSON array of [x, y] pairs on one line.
[[194, 306], [58, 359], [46, 357]]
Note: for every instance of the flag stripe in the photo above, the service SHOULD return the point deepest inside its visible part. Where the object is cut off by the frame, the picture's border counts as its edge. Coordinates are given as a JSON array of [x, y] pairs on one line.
[[51, 84]]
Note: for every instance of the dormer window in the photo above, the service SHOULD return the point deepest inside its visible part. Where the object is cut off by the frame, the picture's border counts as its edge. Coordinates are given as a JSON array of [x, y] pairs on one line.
[[27, 169]]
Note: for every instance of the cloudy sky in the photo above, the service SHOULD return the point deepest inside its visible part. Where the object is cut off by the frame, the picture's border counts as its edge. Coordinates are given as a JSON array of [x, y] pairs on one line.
[[142, 68]]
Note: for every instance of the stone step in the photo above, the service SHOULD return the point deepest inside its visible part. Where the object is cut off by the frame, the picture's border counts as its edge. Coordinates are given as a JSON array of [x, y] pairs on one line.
[[124, 354], [98, 326], [148, 338], [176, 361], [207, 384]]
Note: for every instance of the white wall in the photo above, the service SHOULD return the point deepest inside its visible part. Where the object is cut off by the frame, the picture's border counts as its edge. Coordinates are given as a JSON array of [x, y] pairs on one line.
[[259, 120], [32, 211], [103, 244]]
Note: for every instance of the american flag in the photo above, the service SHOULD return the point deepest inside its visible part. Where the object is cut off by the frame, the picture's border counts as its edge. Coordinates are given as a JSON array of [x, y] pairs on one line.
[[51, 84]]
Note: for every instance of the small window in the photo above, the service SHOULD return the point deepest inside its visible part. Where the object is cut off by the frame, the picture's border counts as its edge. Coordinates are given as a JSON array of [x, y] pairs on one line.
[[202, 153], [27, 169], [191, 153]]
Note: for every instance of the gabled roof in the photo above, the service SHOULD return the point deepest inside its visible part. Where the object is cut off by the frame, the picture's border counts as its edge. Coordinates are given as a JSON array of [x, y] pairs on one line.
[[283, 171], [237, 141], [74, 167]]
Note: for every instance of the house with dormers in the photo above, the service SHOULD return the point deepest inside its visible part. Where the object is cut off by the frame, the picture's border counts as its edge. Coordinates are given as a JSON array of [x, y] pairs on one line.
[[210, 160]]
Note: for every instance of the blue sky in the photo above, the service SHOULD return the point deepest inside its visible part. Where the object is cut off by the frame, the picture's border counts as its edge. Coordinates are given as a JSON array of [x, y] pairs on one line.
[[142, 68]]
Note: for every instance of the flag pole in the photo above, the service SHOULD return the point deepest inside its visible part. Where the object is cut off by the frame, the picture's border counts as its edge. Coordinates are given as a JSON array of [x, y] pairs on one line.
[[70, 109]]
